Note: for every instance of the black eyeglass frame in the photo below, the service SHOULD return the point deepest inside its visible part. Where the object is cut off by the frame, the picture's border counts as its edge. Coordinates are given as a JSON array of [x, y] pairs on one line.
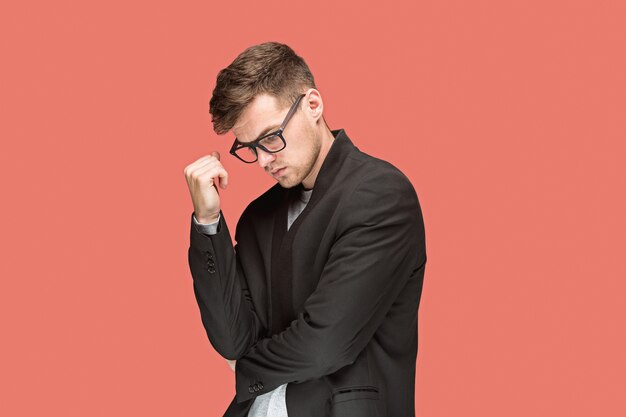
[[255, 143]]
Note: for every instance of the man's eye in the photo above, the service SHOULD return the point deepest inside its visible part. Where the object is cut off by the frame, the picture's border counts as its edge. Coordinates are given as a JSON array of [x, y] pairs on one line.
[[271, 139]]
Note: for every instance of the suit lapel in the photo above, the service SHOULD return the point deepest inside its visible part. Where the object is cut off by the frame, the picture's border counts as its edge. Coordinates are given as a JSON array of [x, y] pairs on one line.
[[341, 147], [280, 308]]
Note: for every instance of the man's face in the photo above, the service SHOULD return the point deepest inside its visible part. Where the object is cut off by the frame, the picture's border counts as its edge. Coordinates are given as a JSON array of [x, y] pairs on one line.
[[294, 163]]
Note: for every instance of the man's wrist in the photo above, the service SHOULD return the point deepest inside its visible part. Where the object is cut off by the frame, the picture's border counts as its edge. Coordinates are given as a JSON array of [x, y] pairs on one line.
[[207, 229], [208, 220]]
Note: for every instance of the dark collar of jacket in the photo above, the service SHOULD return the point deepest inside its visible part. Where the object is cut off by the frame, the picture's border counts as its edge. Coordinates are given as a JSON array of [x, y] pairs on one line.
[[341, 147]]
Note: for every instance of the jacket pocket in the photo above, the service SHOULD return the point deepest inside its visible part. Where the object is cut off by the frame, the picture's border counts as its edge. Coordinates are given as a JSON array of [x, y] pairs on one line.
[[362, 401]]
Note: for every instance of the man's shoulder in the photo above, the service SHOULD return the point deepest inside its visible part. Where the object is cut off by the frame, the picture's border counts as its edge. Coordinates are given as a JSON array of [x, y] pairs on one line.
[[377, 172]]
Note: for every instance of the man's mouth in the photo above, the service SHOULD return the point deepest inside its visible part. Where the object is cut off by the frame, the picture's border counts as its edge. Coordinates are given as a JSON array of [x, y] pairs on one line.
[[278, 172]]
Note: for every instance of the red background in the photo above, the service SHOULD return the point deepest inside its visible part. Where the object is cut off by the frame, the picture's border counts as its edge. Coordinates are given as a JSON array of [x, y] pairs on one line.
[[507, 116]]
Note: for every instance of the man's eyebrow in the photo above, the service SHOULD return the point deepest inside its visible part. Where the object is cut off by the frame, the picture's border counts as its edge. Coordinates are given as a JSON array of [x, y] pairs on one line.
[[265, 131], [269, 129]]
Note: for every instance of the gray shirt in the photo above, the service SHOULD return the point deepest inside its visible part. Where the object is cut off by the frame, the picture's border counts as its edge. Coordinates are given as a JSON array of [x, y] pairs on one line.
[[273, 403]]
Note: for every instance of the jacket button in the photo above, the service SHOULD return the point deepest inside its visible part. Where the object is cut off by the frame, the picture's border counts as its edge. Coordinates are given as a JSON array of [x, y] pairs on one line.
[[250, 389], [260, 385], [209, 255], [211, 270], [211, 263]]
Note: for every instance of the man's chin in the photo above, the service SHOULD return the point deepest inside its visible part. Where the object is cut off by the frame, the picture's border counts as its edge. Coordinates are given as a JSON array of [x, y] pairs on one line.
[[287, 182]]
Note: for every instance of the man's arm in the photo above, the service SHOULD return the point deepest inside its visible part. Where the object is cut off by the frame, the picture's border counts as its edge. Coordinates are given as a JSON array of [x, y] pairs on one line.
[[220, 289], [219, 284], [380, 245], [211, 229]]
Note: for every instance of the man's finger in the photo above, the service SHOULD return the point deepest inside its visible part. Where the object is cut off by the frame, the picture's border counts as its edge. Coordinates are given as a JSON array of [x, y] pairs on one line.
[[223, 178], [201, 162]]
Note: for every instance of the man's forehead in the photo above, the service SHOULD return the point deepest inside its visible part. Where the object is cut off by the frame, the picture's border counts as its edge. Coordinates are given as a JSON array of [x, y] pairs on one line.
[[260, 115]]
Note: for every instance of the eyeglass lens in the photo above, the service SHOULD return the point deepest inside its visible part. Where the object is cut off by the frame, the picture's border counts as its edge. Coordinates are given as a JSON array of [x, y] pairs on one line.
[[271, 143]]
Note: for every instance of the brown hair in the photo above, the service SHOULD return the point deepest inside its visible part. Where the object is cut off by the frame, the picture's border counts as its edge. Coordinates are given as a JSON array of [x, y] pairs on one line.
[[272, 68]]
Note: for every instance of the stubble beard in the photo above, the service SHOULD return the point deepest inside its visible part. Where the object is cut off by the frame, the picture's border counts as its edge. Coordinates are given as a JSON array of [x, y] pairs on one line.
[[306, 170]]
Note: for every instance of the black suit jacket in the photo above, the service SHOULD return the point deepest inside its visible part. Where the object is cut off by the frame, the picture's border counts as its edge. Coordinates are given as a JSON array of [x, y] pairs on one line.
[[357, 266]]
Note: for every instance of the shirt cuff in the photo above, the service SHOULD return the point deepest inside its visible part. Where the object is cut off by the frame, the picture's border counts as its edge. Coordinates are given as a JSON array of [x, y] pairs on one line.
[[207, 229]]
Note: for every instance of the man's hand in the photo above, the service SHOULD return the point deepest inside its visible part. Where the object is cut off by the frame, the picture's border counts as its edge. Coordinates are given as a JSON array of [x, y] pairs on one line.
[[202, 177], [231, 363]]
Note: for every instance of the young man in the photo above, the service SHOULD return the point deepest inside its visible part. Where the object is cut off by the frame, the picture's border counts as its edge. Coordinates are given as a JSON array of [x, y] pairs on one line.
[[317, 302]]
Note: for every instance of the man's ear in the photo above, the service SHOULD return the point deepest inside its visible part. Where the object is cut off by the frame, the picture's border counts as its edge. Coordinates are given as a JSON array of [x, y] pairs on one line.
[[314, 105]]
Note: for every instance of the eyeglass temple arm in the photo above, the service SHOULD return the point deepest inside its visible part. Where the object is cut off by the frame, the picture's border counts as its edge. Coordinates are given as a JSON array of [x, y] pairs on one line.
[[292, 110]]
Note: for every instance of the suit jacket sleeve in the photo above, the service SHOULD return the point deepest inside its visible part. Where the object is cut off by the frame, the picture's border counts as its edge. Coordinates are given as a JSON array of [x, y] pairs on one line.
[[220, 288], [379, 245]]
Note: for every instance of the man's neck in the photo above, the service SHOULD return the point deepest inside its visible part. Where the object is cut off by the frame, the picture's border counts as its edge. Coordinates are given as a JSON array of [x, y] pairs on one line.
[[327, 142]]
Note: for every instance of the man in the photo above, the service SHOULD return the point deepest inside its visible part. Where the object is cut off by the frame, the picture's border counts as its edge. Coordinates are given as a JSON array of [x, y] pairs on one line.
[[317, 302]]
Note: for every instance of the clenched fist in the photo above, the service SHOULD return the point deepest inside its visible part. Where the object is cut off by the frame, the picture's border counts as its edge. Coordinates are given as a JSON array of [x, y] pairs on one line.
[[202, 177]]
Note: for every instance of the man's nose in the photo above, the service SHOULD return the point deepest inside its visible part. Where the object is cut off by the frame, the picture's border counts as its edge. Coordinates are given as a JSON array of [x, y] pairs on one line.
[[264, 158]]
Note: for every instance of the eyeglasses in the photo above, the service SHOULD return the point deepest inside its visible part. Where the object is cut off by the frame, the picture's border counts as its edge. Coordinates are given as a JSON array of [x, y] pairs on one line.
[[272, 142]]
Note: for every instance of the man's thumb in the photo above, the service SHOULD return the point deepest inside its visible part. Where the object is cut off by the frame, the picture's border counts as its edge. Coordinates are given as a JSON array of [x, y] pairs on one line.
[[216, 154]]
